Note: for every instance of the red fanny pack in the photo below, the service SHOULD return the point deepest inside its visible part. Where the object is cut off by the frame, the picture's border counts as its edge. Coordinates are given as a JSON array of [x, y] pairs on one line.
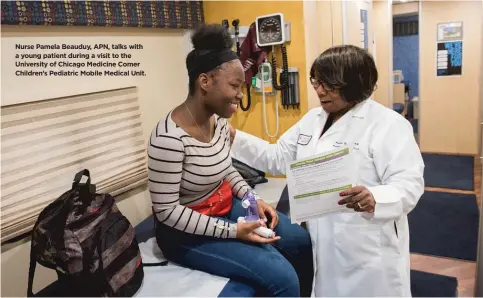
[[218, 204]]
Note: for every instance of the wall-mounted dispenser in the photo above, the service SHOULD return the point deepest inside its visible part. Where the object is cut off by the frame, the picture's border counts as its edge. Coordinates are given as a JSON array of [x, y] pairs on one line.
[[291, 95]]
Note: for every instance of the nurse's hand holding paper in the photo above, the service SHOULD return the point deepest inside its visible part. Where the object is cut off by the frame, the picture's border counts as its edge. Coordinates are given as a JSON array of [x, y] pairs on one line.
[[358, 198]]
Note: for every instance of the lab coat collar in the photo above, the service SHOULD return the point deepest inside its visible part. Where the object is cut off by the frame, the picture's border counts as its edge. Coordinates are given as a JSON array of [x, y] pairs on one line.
[[358, 112]]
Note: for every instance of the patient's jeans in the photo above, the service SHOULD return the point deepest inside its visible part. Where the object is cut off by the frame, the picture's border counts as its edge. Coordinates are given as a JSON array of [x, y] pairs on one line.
[[284, 268]]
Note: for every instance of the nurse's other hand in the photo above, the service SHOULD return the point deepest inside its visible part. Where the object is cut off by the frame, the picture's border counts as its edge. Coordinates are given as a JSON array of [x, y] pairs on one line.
[[232, 133], [358, 198], [264, 209]]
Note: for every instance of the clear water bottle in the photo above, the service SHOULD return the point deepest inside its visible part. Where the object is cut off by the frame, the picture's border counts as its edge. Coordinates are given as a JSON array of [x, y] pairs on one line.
[[249, 202]]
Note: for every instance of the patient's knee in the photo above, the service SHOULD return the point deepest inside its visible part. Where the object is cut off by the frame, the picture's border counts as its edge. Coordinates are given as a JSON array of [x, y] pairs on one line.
[[295, 240], [284, 281]]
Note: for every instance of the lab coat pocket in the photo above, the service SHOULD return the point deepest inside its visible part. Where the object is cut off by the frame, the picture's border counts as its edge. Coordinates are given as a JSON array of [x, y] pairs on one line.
[[357, 246], [394, 238], [304, 151]]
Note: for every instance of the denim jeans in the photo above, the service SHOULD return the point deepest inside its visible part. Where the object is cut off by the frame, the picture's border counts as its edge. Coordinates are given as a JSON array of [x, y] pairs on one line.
[[283, 269]]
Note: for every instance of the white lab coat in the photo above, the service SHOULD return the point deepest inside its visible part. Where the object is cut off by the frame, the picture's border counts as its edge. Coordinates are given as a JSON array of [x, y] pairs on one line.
[[355, 254]]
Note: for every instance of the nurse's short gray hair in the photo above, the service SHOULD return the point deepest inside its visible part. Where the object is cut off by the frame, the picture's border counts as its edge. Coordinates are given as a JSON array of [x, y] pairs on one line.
[[347, 68]]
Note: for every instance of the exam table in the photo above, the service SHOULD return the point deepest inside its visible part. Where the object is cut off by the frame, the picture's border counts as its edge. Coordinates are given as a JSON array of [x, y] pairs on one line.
[[159, 281]]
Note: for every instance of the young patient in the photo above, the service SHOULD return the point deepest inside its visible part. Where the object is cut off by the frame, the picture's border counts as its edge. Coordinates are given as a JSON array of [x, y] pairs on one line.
[[196, 191]]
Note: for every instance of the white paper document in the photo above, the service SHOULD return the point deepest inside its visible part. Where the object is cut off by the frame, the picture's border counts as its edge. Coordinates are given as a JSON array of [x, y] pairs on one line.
[[314, 184]]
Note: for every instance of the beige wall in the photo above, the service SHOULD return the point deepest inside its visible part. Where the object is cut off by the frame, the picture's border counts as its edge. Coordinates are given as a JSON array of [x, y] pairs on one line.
[[449, 106], [383, 51], [164, 87], [322, 20], [481, 103], [379, 40], [337, 21], [407, 8], [352, 24]]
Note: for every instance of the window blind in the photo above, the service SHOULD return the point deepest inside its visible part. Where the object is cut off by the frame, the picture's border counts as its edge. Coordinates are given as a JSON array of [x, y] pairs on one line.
[[405, 28], [45, 143]]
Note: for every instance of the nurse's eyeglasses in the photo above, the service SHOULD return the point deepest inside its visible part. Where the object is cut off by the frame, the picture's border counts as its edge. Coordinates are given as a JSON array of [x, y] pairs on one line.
[[317, 83]]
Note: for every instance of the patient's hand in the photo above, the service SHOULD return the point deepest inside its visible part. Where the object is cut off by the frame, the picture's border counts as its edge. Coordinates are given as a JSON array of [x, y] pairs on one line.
[[232, 133], [245, 233]]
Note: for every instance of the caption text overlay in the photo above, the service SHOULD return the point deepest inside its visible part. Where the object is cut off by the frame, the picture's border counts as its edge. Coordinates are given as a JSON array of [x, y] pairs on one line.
[[77, 60]]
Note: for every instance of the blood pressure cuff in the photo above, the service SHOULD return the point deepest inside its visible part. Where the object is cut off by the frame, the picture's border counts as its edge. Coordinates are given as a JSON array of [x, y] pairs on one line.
[[251, 175]]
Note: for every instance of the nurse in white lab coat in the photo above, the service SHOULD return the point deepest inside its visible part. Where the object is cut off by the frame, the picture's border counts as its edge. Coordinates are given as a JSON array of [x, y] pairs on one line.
[[366, 252]]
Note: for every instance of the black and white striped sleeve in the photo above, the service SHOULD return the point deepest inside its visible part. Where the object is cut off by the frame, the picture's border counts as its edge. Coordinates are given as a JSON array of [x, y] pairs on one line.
[[238, 185], [165, 169]]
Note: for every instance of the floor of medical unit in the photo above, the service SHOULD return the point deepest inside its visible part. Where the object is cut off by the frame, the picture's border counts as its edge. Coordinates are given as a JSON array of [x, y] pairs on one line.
[[464, 271]]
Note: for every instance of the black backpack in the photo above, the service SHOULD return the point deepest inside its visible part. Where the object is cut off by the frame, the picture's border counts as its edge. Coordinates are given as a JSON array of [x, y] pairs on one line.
[[91, 245], [251, 175]]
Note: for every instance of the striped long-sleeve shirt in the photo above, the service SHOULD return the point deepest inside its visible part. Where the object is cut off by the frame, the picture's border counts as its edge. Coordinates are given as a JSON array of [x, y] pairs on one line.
[[184, 172]]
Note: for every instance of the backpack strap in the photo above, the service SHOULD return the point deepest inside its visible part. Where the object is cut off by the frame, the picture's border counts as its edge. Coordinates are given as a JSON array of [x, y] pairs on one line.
[[87, 190], [154, 218], [78, 177], [32, 265], [162, 263]]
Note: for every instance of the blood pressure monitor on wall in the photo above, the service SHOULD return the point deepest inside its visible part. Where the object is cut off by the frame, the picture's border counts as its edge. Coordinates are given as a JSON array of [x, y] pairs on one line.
[[270, 30], [262, 37]]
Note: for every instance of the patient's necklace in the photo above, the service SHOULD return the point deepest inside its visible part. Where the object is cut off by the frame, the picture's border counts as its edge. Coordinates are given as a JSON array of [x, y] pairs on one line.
[[199, 128]]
